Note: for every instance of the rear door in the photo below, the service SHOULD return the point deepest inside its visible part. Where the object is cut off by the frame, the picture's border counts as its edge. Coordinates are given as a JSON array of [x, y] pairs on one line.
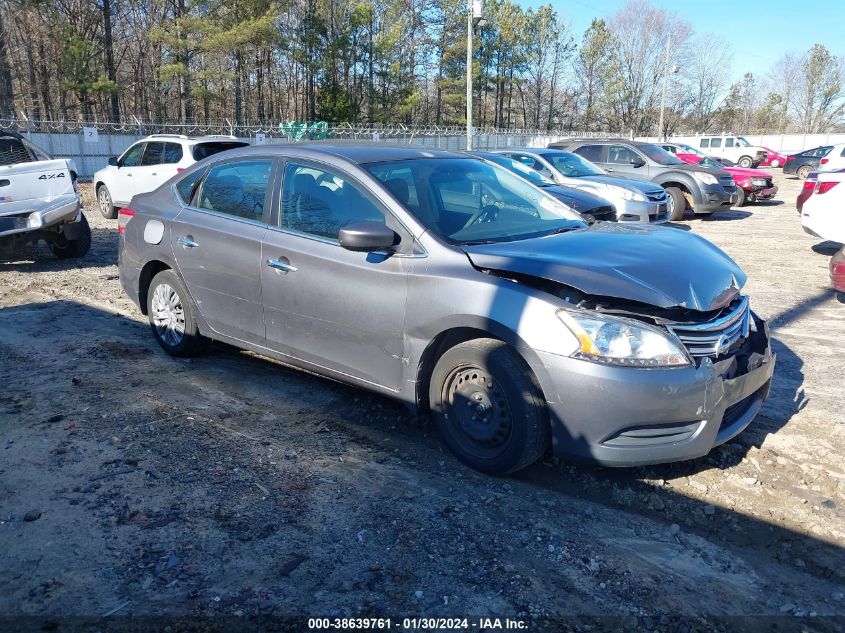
[[334, 308], [217, 245], [596, 154]]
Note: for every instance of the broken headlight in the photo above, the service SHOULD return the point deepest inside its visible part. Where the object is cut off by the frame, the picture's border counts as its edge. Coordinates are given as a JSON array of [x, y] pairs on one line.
[[626, 342]]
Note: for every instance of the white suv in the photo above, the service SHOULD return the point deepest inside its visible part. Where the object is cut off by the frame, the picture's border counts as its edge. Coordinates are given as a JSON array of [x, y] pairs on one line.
[[735, 148], [151, 162]]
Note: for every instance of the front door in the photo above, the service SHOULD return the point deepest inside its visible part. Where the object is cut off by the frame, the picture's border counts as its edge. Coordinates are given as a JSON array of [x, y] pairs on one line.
[[126, 177], [323, 304], [621, 161], [217, 245]]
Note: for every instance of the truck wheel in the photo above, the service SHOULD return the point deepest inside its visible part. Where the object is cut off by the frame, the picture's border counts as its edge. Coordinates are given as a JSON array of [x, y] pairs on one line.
[[488, 407], [78, 246], [745, 161], [676, 205], [803, 172], [172, 317], [104, 202], [740, 197]]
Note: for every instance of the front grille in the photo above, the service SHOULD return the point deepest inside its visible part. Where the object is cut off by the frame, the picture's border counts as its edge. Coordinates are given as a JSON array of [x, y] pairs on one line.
[[658, 195], [719, 336]]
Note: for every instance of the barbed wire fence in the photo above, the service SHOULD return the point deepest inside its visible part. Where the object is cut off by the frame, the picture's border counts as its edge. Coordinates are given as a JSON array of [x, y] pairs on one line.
[[91, 143]]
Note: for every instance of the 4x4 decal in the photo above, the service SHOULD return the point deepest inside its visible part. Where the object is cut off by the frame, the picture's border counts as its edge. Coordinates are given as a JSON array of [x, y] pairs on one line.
[[60, 174]]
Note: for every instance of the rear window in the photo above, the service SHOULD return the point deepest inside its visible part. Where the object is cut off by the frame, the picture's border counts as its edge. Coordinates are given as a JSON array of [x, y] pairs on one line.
[[12, 152], [204, 150]]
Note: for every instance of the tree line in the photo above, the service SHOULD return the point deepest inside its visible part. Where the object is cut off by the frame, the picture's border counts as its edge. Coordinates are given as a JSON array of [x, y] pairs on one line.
[[394, 61]]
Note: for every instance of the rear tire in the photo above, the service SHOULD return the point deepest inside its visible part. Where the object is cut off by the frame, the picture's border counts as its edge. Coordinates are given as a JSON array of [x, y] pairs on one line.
[[745, 161], [172, 316], [64, 248], [677, 204], [488, 407], [803, 172], [105, 203]]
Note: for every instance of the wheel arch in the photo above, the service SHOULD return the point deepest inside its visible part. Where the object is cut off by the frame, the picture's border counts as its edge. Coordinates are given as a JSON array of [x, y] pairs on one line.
[[148, 272], [457, 334]]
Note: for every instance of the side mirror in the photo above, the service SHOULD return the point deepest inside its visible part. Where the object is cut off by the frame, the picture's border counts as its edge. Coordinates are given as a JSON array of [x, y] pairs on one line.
[[637, 162], [113, 161], [367, 237]]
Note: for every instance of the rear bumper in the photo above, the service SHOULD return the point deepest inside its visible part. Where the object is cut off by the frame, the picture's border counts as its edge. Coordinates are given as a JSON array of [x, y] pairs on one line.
[[64, 209], [619, 416]]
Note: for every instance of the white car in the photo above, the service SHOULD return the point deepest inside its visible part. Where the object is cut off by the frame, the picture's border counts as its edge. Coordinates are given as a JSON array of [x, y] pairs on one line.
[[735, 148], [823, 213], [151, 162], [834, 159]]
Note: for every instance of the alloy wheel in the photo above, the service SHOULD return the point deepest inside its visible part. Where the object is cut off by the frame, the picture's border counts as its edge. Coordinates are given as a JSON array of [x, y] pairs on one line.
[[105, 201]]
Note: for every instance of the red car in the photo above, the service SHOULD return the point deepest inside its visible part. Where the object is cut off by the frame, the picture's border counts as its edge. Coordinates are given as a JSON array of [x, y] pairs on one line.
[[752, 184], [837, 270], [773, 158]]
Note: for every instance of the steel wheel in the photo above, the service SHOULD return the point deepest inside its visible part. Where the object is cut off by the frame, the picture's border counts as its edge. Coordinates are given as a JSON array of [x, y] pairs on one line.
[[479, 410], [168, 315]]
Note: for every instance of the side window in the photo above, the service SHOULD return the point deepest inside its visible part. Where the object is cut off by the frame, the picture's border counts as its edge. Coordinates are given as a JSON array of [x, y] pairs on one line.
[[132, 157], [400, 183], [538, 166], [152, 155], [729, 142], [592, 153], [842, 153], [705, 142], [670, 148], [621, 155], [186, 186], [12, 151], [716, 142], [172, 153], [320, 203], [237, 188], [523, 158]]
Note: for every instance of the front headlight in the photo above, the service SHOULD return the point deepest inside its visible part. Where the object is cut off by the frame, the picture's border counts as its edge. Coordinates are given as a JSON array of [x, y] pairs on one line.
[[705, 178], [614, 341], [758, 182], [626, 194]]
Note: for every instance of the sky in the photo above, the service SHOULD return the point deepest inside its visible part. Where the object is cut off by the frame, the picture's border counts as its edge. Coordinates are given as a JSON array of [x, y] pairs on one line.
[[759, 31]]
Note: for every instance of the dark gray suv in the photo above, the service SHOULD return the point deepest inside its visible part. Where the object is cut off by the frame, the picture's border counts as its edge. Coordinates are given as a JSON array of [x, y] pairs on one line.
[[459, 288], [701, 189]]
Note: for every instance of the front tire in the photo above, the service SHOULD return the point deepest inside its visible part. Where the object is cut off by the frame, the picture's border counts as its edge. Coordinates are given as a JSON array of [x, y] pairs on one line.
[[488, 407], [745, 161], [63, 248], [105, 203], [172, 317], [677, 204], [740, 197]]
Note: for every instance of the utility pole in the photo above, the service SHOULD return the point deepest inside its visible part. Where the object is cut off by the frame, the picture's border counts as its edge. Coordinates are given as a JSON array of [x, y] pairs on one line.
[[473, 19], [665, 81]]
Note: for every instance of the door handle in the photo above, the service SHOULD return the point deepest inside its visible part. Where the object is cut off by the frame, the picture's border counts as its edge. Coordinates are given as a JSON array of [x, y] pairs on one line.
[[187, 242], [278, 264]]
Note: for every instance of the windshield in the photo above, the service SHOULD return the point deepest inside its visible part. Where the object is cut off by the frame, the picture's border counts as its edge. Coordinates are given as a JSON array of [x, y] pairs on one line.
[[531, 175], [659, 155], [572, 165], [468, 201], [740, 140], [709, 162]]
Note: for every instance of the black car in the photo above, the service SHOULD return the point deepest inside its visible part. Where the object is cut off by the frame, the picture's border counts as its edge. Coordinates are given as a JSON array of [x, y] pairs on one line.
[[803, 163], [580, 201]]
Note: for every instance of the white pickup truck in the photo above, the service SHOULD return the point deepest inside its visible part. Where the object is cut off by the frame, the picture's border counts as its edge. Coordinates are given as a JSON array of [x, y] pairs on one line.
[[39, 200]]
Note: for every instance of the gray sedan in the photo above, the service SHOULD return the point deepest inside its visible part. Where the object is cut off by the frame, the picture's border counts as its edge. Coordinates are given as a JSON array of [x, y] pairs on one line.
[[458, 288]]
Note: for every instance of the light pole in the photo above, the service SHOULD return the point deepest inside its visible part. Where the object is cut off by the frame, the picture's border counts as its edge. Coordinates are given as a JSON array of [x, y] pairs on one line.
[[665, 81], [473, 19]]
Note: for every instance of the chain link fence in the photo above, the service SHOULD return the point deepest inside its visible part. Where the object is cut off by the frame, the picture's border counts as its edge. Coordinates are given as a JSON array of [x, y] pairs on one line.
[[90, 144]]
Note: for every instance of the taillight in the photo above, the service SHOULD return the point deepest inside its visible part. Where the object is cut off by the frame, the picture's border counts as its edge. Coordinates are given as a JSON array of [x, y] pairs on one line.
[[824, 187], [824, 161], [789, 158], [123, 217], [809, 184]]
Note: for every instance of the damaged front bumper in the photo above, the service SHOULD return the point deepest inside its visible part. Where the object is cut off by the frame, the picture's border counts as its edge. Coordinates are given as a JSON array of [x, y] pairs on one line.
[[621, 416], [63, 209]]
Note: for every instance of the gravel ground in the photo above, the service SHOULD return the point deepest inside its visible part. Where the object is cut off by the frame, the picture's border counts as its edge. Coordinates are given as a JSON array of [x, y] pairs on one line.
[[231, 485]]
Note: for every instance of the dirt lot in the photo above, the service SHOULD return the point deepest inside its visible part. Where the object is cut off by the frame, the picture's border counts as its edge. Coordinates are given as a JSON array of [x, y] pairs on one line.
[[141, 485]]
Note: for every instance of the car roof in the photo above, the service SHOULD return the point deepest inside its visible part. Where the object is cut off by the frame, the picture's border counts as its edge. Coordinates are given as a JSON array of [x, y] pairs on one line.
[[357, 152], [601, 141], [193, 139]]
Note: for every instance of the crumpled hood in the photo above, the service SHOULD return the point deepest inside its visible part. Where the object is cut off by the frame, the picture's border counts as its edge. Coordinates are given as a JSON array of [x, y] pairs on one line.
[[662, 266], [747, 172]]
